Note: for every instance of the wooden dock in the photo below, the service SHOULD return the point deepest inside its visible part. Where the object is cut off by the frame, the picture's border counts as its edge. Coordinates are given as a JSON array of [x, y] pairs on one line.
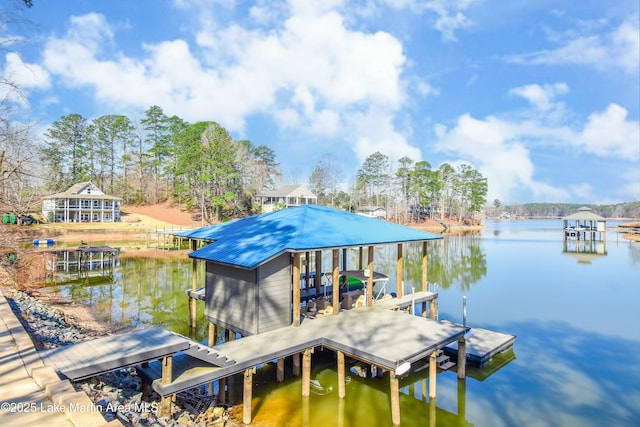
[[382, 335], [90, 358], [481, 345]]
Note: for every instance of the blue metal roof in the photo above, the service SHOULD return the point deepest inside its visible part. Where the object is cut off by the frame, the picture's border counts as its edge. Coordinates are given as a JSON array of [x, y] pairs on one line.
[[251, 241]]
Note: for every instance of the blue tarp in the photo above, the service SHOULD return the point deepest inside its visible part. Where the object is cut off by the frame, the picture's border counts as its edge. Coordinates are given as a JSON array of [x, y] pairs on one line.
[[250, 242]]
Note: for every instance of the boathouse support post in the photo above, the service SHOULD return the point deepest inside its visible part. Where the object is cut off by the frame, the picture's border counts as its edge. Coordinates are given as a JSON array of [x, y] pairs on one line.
[[342, 389], [344, 259], [247, 395], [165, 402], [280, 370], [370, 278], [296, 364], [432, 374], [318, 279], [462, 358], [336, 279], [307, 271], [194, 286], [399, 288], [395, 398], [306, 372], [296, 289], [211, 341], [222, 391], [424, 266]]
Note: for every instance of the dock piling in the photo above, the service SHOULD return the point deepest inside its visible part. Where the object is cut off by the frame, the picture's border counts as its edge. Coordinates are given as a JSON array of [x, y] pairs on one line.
[[306, 372], [433, 364], [341, 375], [247, 395], [395, 398]]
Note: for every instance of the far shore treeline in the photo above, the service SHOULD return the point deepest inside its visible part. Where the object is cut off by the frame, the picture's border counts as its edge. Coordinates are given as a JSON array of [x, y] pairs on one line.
[[164, 158]]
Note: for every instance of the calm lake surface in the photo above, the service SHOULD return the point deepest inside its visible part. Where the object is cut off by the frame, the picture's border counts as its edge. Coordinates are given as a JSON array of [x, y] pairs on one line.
[[576, 359]]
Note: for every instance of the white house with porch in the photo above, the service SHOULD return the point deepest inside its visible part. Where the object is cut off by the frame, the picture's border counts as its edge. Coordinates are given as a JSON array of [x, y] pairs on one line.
[[82, 202], [287, 196]]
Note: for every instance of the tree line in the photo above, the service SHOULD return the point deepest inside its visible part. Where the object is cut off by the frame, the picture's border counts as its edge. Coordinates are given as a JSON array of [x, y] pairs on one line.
[[160, 158], [409, 191], [166, 158], [559, 210]]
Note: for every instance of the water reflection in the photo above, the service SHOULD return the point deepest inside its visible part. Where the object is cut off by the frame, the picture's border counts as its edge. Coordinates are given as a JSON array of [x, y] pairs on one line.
[[584, 251]]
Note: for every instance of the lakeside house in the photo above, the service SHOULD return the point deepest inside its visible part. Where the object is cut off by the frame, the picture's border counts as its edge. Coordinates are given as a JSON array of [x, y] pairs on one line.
[[82, 202], [287, 196], [372, 211]]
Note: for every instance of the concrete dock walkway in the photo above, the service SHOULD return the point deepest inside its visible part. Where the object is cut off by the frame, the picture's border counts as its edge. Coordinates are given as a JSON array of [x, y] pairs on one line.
[[31, 393]]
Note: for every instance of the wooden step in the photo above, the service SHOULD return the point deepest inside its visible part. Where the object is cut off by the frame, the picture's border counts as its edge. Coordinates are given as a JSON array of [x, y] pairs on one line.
[[446, 365]]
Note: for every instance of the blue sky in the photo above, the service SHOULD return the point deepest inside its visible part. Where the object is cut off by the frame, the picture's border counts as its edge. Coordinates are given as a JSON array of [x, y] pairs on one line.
[[542, 97]]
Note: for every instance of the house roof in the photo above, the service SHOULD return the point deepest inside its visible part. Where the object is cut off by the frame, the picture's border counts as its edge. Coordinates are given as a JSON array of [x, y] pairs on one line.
[[584, 214], [289, 191], [250, 242], [75, 192]]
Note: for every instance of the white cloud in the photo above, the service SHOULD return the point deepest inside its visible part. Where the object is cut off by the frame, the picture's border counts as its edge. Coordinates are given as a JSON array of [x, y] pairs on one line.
[[620, 48], [610, 134], [541, 96], [18, 77], [498, 146], [374, 131], [450, 14], [259, 71]]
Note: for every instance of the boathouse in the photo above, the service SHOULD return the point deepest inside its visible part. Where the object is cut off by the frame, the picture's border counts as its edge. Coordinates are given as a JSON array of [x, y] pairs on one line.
[[584, 225], [254, 265], [82, 202]]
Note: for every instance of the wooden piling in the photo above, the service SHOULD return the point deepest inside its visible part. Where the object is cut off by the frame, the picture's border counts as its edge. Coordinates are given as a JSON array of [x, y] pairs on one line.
[[296, 364], [424, 266], [306, 372], [395, 398], [247, 395], [341, 376], [336, 278], [318, 279], [222, 391], [211, 341], [296, 289], [370, 279], [165, 402], [432, 375], [462, 357], [194, 286], [280, 370], [399, 288]]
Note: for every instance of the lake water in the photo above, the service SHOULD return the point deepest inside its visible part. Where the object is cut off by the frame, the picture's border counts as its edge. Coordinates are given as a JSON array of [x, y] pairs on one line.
[[576, 359]]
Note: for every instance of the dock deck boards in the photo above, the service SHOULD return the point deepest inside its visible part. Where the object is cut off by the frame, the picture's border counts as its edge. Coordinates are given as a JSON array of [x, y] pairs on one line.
[[378, 335], [93, 357], [385, 339], [481, 345]]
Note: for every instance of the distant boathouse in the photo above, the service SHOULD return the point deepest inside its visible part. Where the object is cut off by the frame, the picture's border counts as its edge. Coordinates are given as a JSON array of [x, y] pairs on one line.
[[584, 225]]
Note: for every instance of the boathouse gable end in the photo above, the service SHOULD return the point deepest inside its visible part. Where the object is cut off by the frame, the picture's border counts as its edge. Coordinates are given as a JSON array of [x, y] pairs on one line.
[[249, 301]]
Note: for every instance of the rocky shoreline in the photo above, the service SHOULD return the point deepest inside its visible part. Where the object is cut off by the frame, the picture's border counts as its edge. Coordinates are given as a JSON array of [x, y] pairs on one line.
[[117, 394]]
